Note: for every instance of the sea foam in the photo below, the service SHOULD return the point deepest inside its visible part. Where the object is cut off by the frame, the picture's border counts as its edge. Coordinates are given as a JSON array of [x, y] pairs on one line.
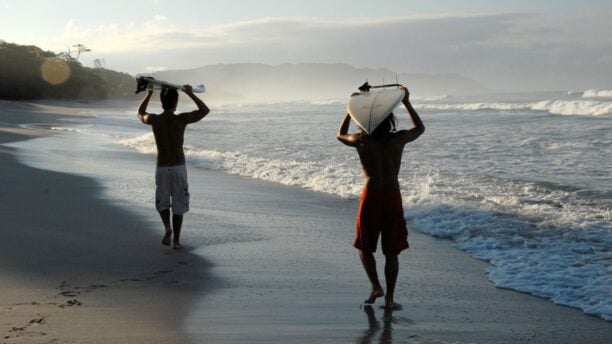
[[338, 178], [532, 241], [556, 107], [593, 93], [474, 106], [575, 107]]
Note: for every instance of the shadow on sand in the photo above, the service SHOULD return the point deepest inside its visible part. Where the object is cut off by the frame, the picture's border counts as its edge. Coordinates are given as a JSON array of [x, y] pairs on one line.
[[60, 234]]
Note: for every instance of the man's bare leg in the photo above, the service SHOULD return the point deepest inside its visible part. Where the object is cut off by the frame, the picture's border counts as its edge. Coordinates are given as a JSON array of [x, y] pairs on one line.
[[391, 271], [177, 222], [165, 216], [369, 264]]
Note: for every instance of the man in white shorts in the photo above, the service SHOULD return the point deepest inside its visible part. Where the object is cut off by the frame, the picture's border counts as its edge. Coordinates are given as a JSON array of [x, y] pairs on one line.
[[172, 190]]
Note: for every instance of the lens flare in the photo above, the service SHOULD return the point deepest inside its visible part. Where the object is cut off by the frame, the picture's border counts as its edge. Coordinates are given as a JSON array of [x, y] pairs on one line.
[[55, 71]]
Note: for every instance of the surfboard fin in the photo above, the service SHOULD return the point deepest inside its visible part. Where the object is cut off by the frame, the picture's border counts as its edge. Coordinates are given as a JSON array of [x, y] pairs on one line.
[[365, 87]]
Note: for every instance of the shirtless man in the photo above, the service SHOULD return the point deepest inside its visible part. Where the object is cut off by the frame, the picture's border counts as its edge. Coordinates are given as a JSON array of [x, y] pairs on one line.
[[171, 174], [380, 208]]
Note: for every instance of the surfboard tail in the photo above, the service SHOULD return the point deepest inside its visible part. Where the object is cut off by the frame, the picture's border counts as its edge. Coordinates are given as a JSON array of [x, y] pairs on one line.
[[199, 88], [142, 82], [369, 109]]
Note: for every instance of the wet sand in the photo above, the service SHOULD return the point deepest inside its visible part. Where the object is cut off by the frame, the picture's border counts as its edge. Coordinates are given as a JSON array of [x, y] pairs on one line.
[[300, 280], [75, 267]]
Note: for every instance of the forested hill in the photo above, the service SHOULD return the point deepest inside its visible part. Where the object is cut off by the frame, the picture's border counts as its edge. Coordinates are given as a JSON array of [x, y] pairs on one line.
[[28, 72]]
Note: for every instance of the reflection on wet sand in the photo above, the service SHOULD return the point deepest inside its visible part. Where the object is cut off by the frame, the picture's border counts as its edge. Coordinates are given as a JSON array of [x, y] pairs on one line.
[[374, 326]]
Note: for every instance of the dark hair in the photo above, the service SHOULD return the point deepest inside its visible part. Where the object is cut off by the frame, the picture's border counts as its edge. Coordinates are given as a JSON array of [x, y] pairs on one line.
[[385, 128], [169, 98]]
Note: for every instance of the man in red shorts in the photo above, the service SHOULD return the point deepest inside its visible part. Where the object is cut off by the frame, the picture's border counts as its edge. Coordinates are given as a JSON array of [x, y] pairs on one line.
[[380, 209]]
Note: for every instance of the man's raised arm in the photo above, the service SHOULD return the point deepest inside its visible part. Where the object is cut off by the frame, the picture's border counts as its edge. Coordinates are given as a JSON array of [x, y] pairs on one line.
[[419, 127], [142, 109], [202, 110], [344, 136]]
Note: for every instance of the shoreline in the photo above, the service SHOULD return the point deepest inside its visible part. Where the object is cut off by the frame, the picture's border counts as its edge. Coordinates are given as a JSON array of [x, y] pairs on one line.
[[243, 290], [75, 267], [303, 282]]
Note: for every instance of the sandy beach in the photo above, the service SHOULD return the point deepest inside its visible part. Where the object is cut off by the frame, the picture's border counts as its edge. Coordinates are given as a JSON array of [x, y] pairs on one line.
[[74, 267], [264, 263]]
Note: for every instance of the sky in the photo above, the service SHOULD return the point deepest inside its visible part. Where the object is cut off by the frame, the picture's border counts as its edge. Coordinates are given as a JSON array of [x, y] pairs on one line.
[[505, 45]]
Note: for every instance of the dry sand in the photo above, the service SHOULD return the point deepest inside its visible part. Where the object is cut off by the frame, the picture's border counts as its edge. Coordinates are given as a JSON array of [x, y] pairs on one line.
[[269, 264]]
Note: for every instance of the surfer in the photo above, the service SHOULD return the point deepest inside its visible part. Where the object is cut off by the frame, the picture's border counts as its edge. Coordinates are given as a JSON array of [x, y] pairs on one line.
[[380, 207], [172, 191]]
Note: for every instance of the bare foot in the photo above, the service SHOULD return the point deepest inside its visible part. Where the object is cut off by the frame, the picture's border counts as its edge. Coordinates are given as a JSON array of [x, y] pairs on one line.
[[177, 246], [376, 293], [166, 239]]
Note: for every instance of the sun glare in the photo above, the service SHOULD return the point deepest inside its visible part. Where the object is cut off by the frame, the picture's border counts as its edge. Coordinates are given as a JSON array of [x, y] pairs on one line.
[[55, 71]]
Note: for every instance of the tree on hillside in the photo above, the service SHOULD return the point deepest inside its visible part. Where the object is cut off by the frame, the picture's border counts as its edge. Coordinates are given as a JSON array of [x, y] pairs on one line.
[[80, 49], [65, 55], [99, 63]]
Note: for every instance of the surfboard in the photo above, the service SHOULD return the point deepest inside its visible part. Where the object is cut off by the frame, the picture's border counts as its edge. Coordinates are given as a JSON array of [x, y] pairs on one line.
[[142, 82], [369, 108]]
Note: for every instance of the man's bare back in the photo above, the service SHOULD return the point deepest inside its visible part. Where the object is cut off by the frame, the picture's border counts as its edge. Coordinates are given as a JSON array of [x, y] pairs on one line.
[[169, 132], [169, 129], [381, 158]]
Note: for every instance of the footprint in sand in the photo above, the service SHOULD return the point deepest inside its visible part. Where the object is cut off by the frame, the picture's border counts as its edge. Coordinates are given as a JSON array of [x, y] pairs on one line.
[[74, 302], [157, 274], [40, 320], [23, 330], [69, 293], [70, 303], [94, 287]]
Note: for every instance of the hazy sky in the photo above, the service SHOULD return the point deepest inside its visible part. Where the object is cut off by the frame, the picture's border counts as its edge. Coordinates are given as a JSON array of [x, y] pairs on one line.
[[512, 44]]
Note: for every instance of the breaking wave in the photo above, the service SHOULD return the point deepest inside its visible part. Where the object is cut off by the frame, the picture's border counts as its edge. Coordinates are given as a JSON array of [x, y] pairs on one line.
[[593, 93], [556, 107]]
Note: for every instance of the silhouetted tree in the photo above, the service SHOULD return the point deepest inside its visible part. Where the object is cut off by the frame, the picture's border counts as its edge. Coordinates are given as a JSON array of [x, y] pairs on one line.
[[99, 63], [80, 49], [66, 55]]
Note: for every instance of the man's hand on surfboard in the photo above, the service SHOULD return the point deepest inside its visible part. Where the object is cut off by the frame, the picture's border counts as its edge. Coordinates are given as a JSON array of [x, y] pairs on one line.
[[188, 89], [406, 95]]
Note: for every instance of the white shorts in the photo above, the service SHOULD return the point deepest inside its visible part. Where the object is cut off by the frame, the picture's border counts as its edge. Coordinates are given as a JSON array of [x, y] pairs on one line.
[[172, 190]]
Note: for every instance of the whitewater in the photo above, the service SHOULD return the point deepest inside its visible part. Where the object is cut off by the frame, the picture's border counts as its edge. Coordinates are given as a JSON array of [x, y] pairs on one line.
[[521, 181]]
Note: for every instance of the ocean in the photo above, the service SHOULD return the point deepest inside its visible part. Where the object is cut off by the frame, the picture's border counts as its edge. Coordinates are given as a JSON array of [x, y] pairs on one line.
[[522, 181]]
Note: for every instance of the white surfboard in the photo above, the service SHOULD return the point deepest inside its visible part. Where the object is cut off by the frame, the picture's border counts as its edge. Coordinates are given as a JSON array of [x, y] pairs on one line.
[[370, 107], [142, 82]]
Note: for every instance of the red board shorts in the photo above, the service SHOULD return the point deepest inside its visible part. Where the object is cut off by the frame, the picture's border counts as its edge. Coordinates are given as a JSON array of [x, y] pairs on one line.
[[381, 212]]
